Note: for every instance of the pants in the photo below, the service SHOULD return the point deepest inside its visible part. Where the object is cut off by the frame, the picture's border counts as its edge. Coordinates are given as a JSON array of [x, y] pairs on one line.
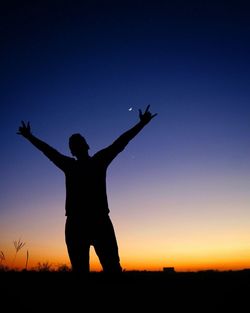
[[81, 233]]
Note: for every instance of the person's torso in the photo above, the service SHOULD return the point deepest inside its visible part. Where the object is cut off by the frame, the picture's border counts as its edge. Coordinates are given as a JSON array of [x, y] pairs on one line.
[[86, 188]]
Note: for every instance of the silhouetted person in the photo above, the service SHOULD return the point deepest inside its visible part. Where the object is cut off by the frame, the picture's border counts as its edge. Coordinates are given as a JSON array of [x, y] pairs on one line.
[[87, 211]]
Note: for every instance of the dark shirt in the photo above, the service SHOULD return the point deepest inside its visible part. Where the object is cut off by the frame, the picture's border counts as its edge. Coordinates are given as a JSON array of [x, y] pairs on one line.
[[85, 180], [86, 186]]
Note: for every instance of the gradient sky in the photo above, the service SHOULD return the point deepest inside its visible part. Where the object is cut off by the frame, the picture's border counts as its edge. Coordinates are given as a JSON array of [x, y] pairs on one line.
[[179, 193]]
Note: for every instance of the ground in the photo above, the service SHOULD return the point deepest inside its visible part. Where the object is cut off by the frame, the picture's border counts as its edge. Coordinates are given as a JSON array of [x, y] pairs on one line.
[[208, 291]]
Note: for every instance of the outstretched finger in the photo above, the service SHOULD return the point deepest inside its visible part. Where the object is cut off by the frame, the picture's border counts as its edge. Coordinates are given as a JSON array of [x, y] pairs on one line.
[[147, 108], [154, 115], [23, 124]]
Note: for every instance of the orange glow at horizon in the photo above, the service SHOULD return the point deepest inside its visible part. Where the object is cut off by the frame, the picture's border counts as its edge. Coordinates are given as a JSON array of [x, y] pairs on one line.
[[233, 260]]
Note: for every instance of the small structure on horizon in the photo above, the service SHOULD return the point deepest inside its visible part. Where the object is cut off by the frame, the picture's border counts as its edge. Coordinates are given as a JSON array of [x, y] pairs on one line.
[[168, 269]]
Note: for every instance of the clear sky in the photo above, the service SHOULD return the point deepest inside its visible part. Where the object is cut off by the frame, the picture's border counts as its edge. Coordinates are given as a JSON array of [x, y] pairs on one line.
[[179, 193]]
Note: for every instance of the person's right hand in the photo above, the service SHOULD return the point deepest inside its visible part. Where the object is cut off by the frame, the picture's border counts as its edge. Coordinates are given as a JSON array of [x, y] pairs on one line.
[[24, 130]]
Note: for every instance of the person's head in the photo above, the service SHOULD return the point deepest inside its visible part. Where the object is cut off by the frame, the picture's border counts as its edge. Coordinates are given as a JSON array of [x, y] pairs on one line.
[[78, 145]]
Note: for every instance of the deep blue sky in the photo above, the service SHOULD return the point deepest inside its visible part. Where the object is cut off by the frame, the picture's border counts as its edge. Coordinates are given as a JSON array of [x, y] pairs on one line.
[[71, 66]]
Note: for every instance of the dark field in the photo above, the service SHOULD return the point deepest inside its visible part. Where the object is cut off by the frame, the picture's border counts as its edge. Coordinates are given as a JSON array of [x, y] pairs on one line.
[[209, 291]]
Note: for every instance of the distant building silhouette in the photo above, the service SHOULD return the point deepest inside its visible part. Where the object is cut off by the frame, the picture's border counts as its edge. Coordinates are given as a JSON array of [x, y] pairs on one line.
[[168, 270]]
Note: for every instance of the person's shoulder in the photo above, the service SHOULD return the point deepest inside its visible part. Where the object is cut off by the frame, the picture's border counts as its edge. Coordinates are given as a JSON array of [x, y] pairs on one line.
[[69, 160], [99, 155]]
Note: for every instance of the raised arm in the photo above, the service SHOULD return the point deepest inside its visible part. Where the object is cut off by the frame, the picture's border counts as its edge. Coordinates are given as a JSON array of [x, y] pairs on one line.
[[145, 118], [56, 157], [121, 142]]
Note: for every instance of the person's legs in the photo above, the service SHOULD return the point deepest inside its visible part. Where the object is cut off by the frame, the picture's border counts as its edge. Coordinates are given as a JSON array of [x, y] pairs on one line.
[[106, 247], [78, 245]]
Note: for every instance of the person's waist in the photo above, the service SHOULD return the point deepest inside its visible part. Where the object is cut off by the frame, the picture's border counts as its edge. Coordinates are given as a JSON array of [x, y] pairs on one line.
[[76, 214]]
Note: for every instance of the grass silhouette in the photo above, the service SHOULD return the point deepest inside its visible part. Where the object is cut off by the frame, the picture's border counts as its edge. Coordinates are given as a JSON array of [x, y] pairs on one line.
[[18, 246]]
